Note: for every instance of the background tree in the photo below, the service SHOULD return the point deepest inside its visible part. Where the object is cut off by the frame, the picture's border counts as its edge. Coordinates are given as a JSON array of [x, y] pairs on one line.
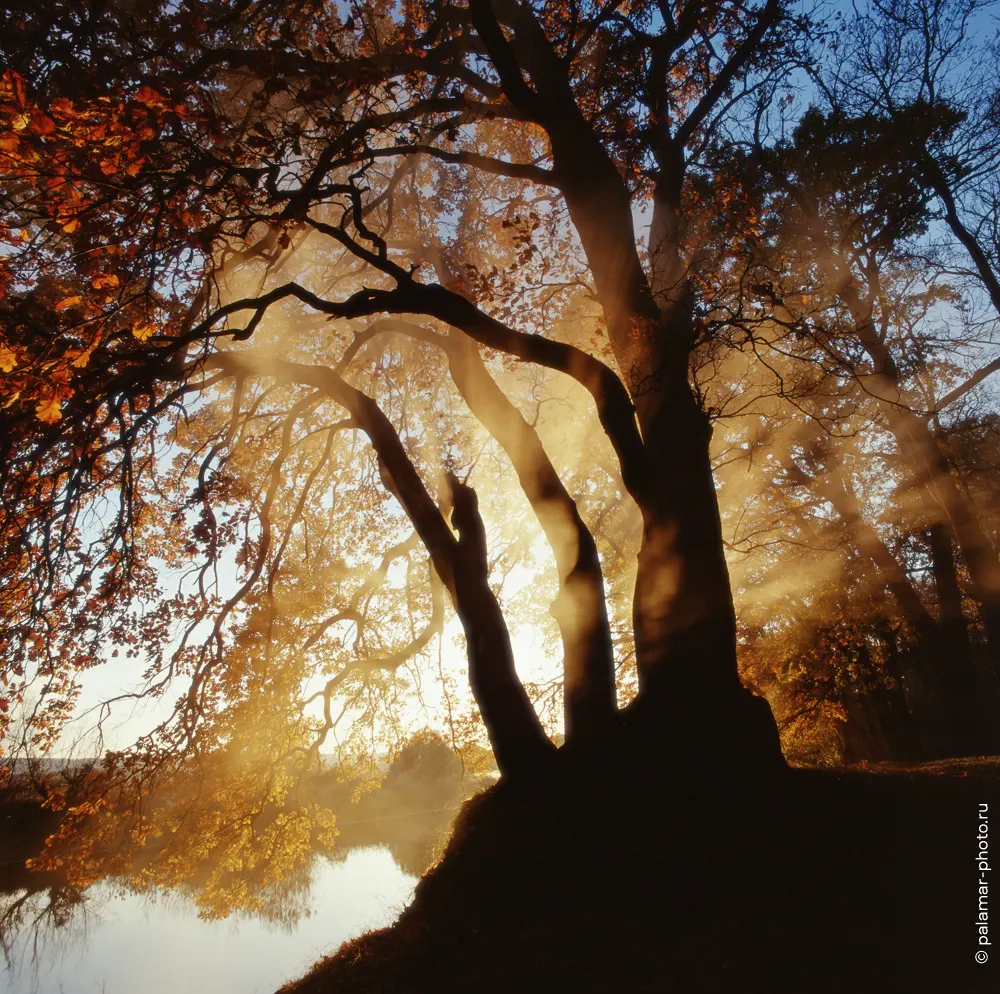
[[860, 263]]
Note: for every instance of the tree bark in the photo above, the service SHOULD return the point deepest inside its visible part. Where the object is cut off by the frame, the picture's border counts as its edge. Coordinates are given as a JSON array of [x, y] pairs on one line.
[[685, 622], [683, 610]]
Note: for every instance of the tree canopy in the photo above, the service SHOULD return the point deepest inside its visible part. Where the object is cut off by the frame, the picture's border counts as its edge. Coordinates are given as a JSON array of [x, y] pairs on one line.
[[324, 324]]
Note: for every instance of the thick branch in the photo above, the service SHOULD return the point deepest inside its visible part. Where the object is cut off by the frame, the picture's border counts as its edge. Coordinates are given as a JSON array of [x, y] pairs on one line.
[[518, 740], [497, 167], [597, 197], [580, 608], [766, 19], [963, 388], [614, 407], [987, 274]]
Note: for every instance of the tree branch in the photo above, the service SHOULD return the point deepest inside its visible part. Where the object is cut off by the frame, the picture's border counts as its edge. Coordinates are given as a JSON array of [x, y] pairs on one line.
[[518, 740]]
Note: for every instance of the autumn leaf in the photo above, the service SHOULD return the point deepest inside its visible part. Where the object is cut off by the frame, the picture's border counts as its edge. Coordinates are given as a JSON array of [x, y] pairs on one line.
[[12, 85], [7, 359], [105, 280], [62, 106], [70, 226], [147, 96], [49, 411], [143, 331], [42, 124], [67, 302], [84, 357]]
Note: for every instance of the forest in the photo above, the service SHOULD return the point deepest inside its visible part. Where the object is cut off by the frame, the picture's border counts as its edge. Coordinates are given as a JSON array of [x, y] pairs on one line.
[[598, 399]]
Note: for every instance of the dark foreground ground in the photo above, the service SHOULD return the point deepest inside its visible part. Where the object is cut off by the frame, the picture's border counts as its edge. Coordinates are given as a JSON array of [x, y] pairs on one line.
[[849, 882]]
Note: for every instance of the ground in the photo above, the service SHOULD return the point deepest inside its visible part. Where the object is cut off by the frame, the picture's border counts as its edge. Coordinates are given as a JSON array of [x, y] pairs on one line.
[[861, 881]]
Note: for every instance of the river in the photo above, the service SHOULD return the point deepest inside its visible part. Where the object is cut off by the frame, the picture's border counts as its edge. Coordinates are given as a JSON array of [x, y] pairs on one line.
[[116, 942]]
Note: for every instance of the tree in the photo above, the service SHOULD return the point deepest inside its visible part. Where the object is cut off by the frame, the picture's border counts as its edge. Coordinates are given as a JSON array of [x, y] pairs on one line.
[[318, 319], [236, 143], [870, 249]]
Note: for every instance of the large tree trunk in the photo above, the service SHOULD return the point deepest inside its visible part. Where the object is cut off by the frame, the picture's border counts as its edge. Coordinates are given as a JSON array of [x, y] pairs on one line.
[[685, 623], [971, 728], [683, 614], [690, 695]]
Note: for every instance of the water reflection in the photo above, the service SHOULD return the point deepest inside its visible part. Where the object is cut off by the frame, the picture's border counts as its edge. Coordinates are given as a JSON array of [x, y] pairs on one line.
[[134, 927], [120, 942]]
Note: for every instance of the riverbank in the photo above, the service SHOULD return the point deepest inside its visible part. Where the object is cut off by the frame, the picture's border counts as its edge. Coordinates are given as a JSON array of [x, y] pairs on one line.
[[853, 880]]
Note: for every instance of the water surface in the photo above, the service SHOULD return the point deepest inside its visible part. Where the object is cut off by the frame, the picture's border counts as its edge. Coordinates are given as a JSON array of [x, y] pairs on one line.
[[117, 942]]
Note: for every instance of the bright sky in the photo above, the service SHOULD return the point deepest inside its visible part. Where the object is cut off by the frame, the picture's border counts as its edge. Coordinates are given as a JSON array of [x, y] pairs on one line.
[[131, 719]]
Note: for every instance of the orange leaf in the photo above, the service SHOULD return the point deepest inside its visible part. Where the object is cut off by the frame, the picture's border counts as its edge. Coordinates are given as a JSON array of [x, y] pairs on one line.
[[42, 124], [143, 331], [104, 281], [7, 359], [150, 98], [67, 302], [12, 84], [71, 225], [84, 357], [49, 411]]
